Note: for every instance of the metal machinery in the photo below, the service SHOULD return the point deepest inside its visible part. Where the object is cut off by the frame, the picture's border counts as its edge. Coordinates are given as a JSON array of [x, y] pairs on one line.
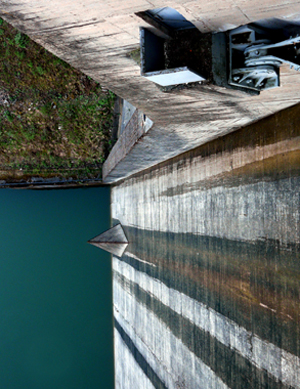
[[247, 58], [256, 54]]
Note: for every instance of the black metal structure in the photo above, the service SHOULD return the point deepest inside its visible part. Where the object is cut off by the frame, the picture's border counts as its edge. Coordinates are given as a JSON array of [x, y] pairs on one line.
[[256, 54]]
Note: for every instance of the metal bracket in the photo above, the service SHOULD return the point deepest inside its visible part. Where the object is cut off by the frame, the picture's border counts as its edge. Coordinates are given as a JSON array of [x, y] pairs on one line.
[[255, 57]]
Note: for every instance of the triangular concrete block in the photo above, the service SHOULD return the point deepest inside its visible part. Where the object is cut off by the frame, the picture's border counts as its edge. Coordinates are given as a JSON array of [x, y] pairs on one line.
[[113, 240]]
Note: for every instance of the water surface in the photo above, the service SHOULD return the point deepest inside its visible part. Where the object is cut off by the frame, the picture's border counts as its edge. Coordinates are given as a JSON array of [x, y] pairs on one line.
[[55, 290]]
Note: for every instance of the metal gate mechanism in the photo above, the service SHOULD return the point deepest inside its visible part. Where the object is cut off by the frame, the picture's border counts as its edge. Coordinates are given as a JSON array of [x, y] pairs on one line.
[[247, 58], [256, 54]]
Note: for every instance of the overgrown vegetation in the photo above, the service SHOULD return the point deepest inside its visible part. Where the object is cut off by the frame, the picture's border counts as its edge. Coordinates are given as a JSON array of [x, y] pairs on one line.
[[54, 120]]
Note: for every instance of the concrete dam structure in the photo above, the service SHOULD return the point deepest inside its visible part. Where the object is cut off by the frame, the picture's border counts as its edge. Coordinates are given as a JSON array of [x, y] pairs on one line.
[[206, 294]]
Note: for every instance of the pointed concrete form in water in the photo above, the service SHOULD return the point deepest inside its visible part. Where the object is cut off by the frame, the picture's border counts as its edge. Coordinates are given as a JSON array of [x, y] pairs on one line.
[[113, 240]]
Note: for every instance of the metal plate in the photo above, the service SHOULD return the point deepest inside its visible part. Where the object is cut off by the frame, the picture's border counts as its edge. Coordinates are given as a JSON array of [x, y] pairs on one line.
[[174, 76]]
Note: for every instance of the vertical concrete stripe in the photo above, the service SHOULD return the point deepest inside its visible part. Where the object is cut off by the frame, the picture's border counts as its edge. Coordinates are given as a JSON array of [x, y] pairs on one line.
[[228, 365], [127, 370], [282, 365], [162, 349], [141, 361]]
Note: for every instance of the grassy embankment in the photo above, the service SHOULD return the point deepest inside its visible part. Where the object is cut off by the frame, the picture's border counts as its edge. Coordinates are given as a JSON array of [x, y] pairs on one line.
[[54, 120]]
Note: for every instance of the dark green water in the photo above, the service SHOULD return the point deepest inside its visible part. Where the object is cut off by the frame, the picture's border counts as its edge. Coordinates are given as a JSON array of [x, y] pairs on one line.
[[55, 290]]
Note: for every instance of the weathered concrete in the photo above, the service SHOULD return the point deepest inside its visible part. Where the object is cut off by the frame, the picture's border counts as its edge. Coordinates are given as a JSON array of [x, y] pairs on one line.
[[134, 129], [254, 156], [113, 240], [207, 294], [97, 38]]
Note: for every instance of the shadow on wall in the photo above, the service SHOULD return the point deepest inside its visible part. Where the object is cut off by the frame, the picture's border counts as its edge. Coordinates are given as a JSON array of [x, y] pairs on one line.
[[207, 291]]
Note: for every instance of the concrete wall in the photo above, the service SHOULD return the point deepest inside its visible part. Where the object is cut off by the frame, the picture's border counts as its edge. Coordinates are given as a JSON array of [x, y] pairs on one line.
[[97, 37], [207, 293]]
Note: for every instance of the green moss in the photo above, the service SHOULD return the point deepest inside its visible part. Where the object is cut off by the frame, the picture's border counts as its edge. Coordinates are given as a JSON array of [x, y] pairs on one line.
[[57, 120], [136, 56], [21, 40]]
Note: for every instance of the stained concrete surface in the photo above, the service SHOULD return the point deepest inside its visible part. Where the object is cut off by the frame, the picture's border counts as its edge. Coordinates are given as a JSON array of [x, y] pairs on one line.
[[98, 37], [207, 292], [127, 112]]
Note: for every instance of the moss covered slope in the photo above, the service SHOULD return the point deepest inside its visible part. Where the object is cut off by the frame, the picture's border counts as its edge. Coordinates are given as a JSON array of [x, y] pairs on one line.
[[54, 120]]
